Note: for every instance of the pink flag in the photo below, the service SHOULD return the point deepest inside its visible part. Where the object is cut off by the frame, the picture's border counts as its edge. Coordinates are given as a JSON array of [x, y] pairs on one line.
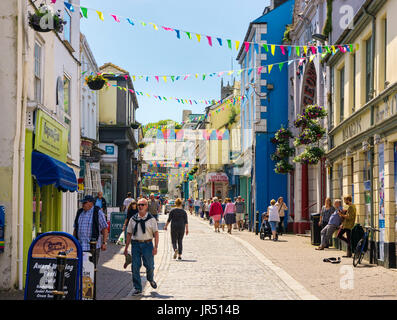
[[313, 50], [157, 78], [53, 1], [247, 46], [282, 50], [168, 29], [209, 40], [115, 18], [260, 69], [126, 77]]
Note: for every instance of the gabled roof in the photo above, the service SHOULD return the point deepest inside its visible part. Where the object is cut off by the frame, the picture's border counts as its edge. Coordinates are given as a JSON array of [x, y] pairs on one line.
[[110, 67]]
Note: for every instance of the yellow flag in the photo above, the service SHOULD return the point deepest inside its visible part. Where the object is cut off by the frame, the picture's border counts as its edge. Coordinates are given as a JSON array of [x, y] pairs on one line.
[[305, 49], [333, 49], [133, 77], [312, 57], [198, 37], [165, 78], [273, 48], [357, 46], [154, 26], [100, 15], [237, 44], [230, 72], [270, 68]]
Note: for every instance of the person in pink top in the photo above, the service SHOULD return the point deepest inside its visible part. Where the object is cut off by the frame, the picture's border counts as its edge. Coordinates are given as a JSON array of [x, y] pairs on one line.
[[216, 213], [230, 214]]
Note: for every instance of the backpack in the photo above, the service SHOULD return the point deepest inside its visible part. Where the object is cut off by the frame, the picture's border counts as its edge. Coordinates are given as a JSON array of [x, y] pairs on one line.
[[95, 223]]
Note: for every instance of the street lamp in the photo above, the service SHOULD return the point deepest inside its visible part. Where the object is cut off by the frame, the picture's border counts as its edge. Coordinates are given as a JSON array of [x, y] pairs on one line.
[[319, 37]]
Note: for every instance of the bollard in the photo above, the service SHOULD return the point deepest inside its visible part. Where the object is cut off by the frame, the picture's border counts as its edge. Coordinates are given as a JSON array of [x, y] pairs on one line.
[[93, 260], [257, 223], [60, 276]]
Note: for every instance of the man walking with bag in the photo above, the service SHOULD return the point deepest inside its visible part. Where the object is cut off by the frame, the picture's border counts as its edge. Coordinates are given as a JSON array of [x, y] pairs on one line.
[[141, 230]]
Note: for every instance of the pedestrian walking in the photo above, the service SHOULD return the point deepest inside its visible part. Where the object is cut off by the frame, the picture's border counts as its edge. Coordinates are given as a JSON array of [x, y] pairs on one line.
[[281, 207], [190, 203], [131, 211], [326, 211], [179, 225], [126, 202], [334, 222], [274, 218], [230, 214], [196, 206], [207, 209], [202, 208], [90, 225], [349, 219], [141, 230], [153, 207], [240, 210], [100, 202], [216, 213]]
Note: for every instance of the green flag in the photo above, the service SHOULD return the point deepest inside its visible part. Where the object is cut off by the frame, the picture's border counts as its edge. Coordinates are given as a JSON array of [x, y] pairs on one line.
[[229, 43], [266, 47], [281, 65], [84, 12], [297, 51]]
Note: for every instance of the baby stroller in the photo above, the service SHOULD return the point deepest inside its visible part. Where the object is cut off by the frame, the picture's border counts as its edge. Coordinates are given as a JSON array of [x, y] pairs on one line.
[[266, 230]]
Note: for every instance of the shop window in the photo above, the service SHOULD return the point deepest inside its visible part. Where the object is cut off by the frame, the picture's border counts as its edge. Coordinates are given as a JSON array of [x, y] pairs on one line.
[[341, 94], [38, 72], [67, 108], [340, 180], [369, 56], [67, 27]]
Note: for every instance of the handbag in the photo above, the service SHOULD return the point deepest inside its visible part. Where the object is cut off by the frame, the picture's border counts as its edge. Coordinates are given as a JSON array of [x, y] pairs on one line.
[[121, 239]]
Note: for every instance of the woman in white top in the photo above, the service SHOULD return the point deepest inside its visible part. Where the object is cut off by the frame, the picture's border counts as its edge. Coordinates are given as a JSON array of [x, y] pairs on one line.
[[274, 218]]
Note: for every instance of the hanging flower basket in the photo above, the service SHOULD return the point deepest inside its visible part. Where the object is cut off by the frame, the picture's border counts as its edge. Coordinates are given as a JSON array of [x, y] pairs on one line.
[[312, 155], [45, 20], [314, 112], [310, 135], [283, 167], [283, 135], [96, 82], [301, 121]]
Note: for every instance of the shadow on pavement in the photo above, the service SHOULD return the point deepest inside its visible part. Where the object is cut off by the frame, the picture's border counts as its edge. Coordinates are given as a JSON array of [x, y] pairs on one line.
[[157, 295], [183, 260]]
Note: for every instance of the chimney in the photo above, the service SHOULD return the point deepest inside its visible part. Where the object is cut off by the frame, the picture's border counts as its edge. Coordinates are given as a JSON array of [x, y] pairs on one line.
[[277, 3]]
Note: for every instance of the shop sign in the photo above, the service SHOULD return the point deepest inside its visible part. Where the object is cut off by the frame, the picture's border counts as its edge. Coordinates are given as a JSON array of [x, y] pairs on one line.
[[386, 110], [111, 150], [217, 177], [42, 266], [117, 220], [51, 137], [352, 128]]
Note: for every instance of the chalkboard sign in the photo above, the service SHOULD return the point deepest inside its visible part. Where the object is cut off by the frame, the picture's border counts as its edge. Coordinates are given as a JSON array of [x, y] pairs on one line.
[[116, 225], [42, 266]]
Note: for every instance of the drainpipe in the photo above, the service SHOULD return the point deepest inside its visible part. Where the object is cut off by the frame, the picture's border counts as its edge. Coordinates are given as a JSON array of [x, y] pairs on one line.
[[372, 258], [21, 155]]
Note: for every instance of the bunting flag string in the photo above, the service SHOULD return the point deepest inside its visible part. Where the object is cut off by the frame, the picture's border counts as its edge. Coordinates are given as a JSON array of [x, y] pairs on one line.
[[327, 48], [204, 76]]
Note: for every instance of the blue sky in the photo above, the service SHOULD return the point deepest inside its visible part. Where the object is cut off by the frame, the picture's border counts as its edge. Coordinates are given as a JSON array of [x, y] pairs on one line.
[[143, 50]]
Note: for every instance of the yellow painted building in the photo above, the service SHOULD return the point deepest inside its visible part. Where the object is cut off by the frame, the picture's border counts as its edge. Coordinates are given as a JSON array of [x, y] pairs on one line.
[[363, 121]]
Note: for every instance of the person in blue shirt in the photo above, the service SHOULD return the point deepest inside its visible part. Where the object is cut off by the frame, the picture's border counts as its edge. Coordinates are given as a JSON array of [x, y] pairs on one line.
[[100, 202], [334, 222]]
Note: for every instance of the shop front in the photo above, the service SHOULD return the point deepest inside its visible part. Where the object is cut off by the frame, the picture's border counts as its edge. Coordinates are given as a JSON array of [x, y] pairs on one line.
[[47, 177], [363, 163], [217, 184]]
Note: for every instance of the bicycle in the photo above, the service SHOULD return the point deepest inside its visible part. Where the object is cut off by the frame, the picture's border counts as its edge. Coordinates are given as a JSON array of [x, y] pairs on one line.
[[362, 246]]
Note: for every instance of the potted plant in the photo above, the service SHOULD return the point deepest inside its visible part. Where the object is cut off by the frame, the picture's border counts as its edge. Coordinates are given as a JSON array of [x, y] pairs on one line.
[[96, 82], [45, 20]]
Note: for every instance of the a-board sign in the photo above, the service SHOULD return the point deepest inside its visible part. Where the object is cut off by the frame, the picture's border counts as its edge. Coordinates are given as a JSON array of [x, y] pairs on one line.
[[88, 277], [42, 266], [116, 225]]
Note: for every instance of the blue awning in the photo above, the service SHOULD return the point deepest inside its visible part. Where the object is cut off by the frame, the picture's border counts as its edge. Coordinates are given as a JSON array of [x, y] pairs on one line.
[[48, 170]]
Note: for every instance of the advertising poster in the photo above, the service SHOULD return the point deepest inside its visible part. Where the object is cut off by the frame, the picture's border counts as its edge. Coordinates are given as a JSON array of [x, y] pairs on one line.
[[381, 202], [116, 225], [88, 277]]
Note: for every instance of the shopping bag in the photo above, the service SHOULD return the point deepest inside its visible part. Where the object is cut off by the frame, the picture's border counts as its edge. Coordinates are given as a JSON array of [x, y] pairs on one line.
[[121, 240]]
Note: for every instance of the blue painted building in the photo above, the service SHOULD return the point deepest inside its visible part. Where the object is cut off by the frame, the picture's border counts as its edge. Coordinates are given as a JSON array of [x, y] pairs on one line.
[[265, 107]]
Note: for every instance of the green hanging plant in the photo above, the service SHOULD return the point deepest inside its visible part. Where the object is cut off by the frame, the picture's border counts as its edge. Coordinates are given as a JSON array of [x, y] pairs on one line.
[[283, 167], [328, 22], [311, 155]]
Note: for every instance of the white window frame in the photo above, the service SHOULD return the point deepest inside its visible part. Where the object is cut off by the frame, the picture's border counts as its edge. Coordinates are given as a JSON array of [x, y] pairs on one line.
[[41, 70]]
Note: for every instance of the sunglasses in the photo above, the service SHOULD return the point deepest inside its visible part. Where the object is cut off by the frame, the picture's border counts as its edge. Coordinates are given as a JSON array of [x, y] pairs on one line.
[[141, 204]]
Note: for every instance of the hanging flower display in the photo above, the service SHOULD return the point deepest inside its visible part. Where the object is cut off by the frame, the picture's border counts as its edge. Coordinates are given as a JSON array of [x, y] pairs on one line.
[[45, 20], [311, 155], [314, 112], [301, 121], [283, 151], [283, 167], [282, 135], [96, 82], [311, 134]]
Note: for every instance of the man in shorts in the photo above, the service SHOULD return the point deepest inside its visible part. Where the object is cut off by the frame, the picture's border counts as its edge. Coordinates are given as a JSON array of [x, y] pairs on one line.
[[240, 210]]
